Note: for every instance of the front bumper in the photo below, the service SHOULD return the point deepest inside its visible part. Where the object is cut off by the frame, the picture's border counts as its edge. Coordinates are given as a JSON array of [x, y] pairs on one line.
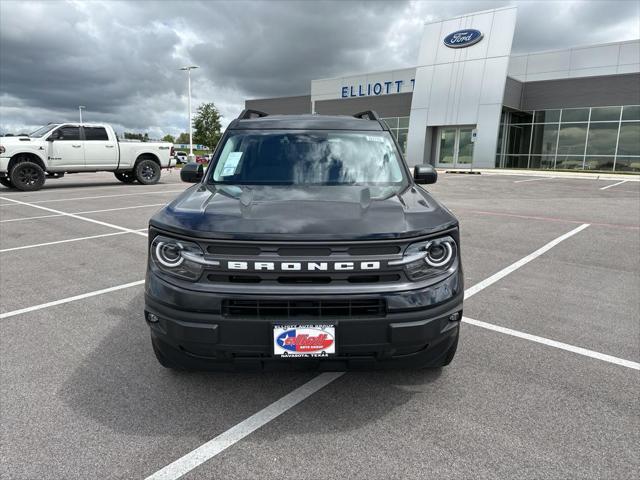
[[408, 335]]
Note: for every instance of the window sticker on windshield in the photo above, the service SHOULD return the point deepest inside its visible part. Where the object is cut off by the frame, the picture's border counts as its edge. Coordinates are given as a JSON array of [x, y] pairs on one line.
[[375, 139], [231, 165]]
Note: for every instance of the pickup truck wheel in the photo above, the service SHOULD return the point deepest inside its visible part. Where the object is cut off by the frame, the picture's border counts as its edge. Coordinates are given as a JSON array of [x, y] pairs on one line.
[[147, 172], [125, 177], [6, 182], [27, 176]]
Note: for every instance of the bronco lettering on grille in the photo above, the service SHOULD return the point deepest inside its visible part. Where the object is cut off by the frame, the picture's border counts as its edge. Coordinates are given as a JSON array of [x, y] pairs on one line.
[[302, 266]]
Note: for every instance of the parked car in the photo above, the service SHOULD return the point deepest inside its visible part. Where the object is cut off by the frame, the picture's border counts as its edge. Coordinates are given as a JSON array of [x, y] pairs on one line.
[[181, 157], [307, 243], [56, 149], [202, 159]]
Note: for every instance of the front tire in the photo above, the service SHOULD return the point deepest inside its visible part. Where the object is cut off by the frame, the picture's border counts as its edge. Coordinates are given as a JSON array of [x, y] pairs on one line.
[[125, 177], [27, 176], [147, 172], [6, 182]]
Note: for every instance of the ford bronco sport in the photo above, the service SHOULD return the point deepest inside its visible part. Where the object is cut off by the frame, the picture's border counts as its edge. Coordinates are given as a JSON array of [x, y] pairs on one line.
[[305, 243]]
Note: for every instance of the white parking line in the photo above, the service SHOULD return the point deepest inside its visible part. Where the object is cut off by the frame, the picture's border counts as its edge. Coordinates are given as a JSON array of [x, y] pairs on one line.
[[613, 185], [70, 299], [223, 441], [73, 215], [478, 287], [553, 343], [159, 192], [534, 179], [79, 213], [77, 239]]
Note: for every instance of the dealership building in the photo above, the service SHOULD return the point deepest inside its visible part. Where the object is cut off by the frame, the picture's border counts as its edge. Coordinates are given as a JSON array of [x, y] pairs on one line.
[[470, 103]]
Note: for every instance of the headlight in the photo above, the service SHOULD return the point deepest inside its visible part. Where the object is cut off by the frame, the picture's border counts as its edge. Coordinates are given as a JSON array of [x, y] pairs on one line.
[[430, 258], [178, 257]]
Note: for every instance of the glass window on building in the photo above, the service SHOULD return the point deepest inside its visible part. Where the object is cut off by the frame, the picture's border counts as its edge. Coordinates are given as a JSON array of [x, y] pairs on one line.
[[629, 143], [391, 121], [571, 139], [597, 138], [602, 138], [605, 114], [516, 161], [628, 157], [544, 162], [547, 116], [521, 117], [569, 162], [399, 127], [631, 112], [575, 115], [598, 163], [545, 139], [519, 137], [627, 164]]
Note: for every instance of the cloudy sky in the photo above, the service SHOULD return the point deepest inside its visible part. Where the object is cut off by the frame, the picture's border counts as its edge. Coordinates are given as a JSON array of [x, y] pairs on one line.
[[121, 59]]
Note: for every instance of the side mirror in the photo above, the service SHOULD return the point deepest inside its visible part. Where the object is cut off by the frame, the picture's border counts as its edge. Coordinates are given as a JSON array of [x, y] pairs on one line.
[[425, 174], [191, 173], [50, 138]]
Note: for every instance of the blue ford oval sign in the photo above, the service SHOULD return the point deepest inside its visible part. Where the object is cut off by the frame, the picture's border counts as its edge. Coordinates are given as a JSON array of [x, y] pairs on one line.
[[463, 38]]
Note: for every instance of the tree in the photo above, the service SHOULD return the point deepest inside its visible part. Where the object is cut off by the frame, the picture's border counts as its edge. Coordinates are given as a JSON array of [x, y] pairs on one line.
[[133, 136], [169, 138], [206, 125], [183, 139]]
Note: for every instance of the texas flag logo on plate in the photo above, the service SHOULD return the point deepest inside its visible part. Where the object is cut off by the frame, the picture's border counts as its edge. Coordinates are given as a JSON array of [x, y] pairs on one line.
[[304, 340]]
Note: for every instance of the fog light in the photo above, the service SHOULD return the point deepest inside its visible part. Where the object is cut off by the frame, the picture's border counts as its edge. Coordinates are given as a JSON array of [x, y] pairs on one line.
[[454, 317], [152, 318]]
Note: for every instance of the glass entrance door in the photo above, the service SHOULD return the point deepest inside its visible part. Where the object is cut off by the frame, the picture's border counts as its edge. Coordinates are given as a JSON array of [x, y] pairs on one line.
[[456, 148]]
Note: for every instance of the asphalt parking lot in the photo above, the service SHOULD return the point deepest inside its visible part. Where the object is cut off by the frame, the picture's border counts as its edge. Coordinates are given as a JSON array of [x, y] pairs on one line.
[[545, 383]]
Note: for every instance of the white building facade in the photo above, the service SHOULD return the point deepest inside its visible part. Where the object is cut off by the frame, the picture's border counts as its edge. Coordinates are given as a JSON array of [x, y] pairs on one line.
[[470, 103]]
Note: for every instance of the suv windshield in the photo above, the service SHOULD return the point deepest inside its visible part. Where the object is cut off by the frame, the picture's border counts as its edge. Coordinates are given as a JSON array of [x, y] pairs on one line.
[[312, 157]]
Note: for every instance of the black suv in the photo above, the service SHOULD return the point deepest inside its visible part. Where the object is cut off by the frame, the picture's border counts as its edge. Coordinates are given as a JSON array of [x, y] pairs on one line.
[[306, 243]]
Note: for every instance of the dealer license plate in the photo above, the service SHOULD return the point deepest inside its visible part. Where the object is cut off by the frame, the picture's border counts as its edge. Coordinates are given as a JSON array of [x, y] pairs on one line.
[[304, 340]]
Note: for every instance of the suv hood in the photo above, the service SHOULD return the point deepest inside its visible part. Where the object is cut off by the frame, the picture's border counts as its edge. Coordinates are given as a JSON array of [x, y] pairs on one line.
[[310, 213]]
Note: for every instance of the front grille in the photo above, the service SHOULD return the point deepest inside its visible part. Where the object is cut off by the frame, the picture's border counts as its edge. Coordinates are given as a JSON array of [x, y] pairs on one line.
[[281, 278], [300, 309]]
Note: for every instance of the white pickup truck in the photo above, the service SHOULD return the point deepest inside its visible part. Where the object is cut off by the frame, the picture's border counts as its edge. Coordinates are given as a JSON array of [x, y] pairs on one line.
[[56, 149]]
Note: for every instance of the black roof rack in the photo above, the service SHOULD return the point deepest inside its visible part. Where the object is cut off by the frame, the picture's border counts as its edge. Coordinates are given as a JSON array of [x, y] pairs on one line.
[[248, 113], [369, 114]]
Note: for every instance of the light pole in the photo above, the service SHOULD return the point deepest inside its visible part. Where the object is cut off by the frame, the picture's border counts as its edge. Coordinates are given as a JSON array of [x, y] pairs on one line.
[[188, 69], [80, 107]]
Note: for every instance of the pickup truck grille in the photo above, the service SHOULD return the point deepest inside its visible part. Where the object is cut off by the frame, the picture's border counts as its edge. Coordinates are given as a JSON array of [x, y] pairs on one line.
[[301, 309]]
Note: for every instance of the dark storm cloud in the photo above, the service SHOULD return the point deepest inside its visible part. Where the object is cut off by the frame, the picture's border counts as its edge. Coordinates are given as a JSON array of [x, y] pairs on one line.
[[279, 48], [122, 59]]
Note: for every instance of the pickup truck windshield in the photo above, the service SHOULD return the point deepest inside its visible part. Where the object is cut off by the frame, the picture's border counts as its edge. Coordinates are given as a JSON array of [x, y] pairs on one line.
[[42, 131], [309, 158]]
